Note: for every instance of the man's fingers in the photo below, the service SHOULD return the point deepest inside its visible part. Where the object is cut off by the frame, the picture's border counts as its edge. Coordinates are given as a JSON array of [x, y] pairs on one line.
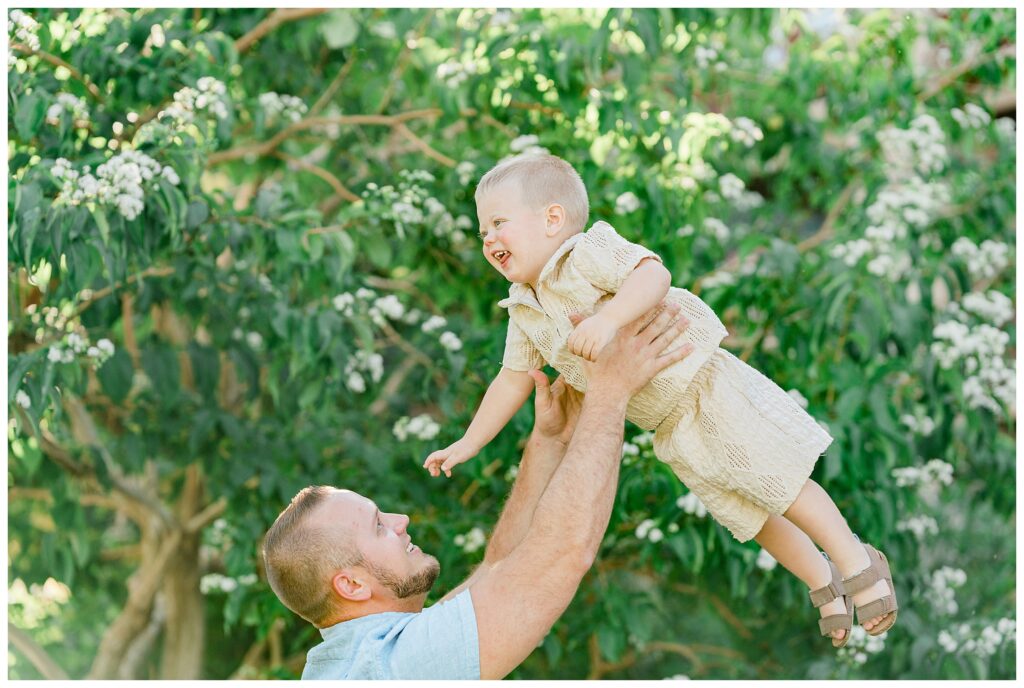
[[575, 318]]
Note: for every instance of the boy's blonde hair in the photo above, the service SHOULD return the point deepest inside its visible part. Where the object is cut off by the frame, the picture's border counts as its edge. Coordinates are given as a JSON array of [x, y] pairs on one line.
[[543, 179]]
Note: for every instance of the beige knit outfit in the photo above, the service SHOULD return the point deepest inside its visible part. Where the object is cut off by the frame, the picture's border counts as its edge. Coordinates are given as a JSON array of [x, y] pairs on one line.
[[736, 439]]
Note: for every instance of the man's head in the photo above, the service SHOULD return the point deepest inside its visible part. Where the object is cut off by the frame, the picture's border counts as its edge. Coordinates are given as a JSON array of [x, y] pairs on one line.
[[332, 555], [527, 206]]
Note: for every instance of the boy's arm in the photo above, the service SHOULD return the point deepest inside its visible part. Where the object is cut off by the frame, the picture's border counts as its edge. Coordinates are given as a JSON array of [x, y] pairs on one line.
[[505, 395], [644, 289]]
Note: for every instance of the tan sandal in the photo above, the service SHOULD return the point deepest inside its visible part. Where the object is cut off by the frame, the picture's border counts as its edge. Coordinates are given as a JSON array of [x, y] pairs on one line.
[[834, 622], [884, 606]]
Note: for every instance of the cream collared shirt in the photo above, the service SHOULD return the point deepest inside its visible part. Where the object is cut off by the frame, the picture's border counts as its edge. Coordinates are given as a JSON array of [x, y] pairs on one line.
[[585, 272]]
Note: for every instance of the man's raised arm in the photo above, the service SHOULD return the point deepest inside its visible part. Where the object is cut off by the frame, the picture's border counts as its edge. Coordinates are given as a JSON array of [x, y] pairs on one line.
[[520, 597]]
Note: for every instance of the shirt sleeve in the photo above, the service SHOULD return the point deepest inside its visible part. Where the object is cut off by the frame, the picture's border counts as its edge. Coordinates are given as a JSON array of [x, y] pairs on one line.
[[605, 259], [520, 353], [440, 643]]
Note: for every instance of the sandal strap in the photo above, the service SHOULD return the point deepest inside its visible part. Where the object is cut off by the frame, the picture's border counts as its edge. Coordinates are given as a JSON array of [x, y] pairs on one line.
[[880, 607], [826, 594], [836, 622], [877, 570]]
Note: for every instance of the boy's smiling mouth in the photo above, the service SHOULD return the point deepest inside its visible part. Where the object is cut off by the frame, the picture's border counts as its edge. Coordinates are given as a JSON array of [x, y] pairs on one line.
[[501, 256]]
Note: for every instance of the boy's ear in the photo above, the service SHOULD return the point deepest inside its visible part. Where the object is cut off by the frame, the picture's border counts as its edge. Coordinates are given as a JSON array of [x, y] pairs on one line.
[[352, 584], [554, 218]]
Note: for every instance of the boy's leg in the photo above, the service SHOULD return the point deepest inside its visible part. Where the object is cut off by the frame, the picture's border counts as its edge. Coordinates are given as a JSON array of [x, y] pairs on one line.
[[794, 550], [816, 514]]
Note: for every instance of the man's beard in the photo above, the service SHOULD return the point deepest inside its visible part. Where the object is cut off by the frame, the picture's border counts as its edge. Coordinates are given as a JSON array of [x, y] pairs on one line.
[[416, 584]]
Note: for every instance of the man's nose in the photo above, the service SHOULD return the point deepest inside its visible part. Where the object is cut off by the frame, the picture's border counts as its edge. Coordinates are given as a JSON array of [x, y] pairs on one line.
[[401, 523]]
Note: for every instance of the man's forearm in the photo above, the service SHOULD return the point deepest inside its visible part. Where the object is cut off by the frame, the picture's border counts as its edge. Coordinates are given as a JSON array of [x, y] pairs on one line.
[[540, 459], [575, 508]]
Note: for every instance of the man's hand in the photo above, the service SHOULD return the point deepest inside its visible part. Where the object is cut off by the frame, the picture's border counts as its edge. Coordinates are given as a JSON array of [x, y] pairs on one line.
[[445, 459], [637, 353], [556, 407], [590, 336]]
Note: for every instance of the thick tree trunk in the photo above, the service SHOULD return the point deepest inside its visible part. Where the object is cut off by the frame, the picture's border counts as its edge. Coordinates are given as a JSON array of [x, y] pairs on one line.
[[185, 625]]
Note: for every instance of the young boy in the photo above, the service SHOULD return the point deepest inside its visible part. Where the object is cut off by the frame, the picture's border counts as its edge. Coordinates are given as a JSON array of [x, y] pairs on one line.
[[733, 437]]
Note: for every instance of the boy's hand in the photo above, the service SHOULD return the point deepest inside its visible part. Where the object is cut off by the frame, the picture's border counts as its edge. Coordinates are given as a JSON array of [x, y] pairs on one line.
[[445, 459], [590, 336]]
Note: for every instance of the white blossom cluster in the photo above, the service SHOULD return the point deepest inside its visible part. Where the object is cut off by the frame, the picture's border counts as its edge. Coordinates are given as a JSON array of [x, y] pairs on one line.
[[706, 56], [992, 306], [454, 72], [989, 380], [528, 144], [630, 449], [677, 677], [384, 308], [861, 645], [421, 427], [253, 339], [918, 424], [984, 261], [1006, 127], [22, 399], [734, 190], [918, 150], [216, 582], [450, 341], [77, 345], [471, 541], [21, 28], [984, 644], [119, 182], [66, 102], [38, 602], [434, 322], [899, 208], [934, 472], [626, 203], [465, 170], [209, 95], [920, 526], [691, 504], [647, 530], [721, 278], [744, 130], [942, 596], [512, 473], [283, 106], [765, 561], [363, 362], [971, 117]]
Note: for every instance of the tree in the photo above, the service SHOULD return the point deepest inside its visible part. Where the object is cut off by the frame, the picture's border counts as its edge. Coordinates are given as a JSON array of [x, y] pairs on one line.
[[242, 260]]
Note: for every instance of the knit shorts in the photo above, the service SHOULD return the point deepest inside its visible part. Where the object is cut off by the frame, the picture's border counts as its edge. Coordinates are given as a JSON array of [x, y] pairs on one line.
[[740, 443]]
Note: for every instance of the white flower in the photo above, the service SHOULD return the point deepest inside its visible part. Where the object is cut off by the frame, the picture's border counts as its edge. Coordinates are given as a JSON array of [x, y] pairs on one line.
[[355, 383], [471, 541], [343, 302], [521, 143], [745, 131], [422, 427], [718, 279], [765, 561], [170, 175], [390, 306], [644, 528], [731, 186], [434, 322], [22, 399], [920, 526], [465, 170], [684, 231], [630, 449], [691, 504], [450, 341], [655, 535], [254, 339], [54, 355], [626, 203], [285, 107], [717, 228], [106, 347]]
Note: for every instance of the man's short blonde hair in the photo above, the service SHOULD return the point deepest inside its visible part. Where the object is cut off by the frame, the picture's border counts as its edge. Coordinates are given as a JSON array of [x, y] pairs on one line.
[[301, 558], [543, 179]]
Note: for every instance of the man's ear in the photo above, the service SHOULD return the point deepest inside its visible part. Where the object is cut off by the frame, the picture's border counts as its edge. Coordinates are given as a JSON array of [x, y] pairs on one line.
[[554, 218], [352, 585]]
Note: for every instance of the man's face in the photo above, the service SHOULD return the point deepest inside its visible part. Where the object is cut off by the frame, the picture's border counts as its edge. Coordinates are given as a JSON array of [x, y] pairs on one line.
[[400, 568], [513, 234]]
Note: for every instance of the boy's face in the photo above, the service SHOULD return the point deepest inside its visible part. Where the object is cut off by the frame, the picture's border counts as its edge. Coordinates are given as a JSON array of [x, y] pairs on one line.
[[517, 239]]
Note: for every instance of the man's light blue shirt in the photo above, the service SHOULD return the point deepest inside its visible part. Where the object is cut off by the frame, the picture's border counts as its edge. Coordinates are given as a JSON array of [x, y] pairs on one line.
[[439, 643]]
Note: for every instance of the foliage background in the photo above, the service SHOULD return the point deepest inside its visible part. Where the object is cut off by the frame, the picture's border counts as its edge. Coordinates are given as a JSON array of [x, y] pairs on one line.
[[745, 146]]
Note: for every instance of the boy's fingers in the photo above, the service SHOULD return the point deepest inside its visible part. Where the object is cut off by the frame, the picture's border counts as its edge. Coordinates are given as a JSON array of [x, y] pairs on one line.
[[575, 318]]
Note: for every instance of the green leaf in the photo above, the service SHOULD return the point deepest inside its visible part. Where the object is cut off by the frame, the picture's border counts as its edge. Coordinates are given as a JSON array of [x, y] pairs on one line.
[[161, 365], [116, 374], [612, 642], [197, 213], [29, 112]]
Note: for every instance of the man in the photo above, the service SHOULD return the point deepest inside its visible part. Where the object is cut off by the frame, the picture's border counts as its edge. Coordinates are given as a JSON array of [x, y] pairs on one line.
[[353, 571]]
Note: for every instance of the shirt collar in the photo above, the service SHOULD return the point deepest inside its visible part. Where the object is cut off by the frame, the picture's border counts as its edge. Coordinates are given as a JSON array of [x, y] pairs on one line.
[[522, 294]]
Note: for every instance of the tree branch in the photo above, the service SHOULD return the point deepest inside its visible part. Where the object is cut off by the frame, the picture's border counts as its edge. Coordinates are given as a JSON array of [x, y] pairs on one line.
[[276, 18], [154, 271], [35, 654], [423, 146], [206, 516], [338, 187], [958, 71], [93, 90], [326, 96]]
